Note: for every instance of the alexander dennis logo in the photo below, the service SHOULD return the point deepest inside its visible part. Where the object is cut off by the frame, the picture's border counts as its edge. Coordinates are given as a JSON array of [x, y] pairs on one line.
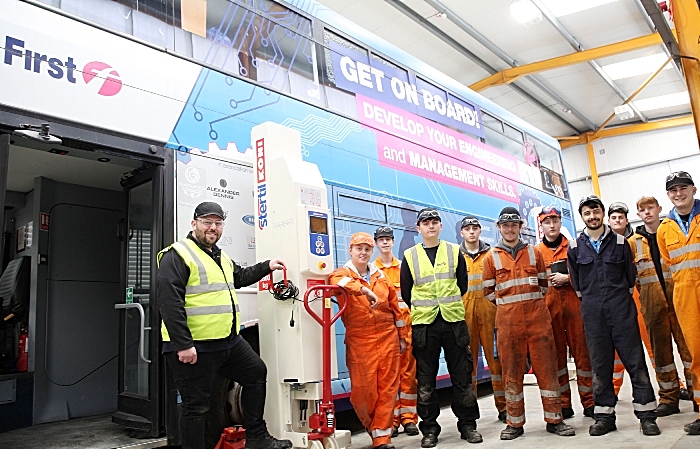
[[262, 187], [94, 73]]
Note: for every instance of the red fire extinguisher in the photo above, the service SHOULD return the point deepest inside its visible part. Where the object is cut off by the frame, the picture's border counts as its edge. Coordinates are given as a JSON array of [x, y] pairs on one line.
[[23, 350]]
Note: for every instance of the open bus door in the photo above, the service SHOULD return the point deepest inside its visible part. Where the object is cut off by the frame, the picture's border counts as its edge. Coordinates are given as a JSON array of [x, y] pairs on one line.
[[139, 404]]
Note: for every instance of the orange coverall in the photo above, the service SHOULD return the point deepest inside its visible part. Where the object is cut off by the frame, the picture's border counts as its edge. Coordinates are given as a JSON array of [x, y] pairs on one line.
[[567, 324], [681, 252], [661, 321], [523, 323], [480, 315], [372, 348], [407, 397]]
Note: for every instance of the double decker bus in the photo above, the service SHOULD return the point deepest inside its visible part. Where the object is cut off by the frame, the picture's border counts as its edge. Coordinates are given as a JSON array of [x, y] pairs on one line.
[[150, 106]]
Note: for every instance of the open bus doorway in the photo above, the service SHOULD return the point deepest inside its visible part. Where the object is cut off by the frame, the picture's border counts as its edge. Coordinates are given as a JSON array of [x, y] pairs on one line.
[[90, 222]]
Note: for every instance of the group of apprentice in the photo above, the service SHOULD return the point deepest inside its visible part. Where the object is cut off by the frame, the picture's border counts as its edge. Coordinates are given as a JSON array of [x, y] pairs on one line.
[[598, 295]]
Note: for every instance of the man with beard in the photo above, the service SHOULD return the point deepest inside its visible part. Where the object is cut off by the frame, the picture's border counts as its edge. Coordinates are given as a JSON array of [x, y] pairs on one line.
[[602, 272], [201, 321]]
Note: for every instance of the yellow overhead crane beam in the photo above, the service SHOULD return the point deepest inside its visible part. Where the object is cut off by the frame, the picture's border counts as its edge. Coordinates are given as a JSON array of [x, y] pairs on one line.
[[509, 75], [686, 17]]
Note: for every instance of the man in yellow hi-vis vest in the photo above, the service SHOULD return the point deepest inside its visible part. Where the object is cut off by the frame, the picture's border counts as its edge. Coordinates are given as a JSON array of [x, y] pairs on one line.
[[433, 280], [201, 320]]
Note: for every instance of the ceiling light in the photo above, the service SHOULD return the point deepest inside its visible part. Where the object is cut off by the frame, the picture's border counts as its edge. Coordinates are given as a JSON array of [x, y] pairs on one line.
[[638, 66], [568, 111], [664, 101], [525, 12], [565, 7]]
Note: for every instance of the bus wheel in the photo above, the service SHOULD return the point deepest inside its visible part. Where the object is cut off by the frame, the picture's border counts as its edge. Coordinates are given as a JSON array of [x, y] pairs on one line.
[[224, 409]]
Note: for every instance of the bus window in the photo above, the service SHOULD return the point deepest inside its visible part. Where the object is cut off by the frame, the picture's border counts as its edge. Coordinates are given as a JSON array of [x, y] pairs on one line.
[[336, 47], [353, 207]]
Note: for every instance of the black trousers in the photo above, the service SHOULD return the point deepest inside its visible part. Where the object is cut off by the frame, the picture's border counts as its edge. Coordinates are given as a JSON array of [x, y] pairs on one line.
[[194, 382], [611, 325], [428, 341]]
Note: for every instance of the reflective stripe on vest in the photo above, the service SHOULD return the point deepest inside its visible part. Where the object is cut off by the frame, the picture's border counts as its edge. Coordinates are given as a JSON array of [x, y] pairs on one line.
[[435, 286], [646, 271], [210, 299]]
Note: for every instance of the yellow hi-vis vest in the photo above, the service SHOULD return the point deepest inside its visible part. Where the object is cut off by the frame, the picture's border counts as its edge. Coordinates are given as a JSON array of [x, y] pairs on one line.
[[209, 295], [434, 287]]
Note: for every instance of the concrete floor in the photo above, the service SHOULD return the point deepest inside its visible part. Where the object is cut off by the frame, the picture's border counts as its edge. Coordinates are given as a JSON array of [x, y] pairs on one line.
[[627, 435]]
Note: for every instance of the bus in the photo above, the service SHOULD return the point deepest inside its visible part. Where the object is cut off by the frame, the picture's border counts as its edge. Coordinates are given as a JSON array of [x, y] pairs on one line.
[[118, 117]]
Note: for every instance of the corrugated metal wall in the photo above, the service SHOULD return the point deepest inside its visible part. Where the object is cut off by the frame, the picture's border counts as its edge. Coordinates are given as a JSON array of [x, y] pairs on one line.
[[634, 165]]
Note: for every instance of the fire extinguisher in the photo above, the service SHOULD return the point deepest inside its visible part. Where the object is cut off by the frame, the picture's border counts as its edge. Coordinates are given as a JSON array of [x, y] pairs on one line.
[[23, 350]]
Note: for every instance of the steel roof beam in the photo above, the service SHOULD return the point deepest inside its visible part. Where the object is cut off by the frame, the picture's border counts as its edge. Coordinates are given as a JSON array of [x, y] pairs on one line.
[[509, 75], [578, 47], [470, 30], [420, 20], [652, 27]]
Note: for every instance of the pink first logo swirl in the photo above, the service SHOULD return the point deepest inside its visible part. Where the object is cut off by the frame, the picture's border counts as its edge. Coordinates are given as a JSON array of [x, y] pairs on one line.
[[111, 81]]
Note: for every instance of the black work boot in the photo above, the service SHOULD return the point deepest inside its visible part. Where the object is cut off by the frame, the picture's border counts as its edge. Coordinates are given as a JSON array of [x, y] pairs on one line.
[[384, 446], [511, 433], [601, 427], [502, 416], [693, 428], [567, 412], [562, 429], [471, 435], [685, 395], [267, 442], [666, 410], [395, 432], [410, 429], [429, 440], [588, 411], [649, 426]]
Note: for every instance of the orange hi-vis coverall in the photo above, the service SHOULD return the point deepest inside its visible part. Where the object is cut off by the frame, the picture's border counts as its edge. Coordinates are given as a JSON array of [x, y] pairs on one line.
[[480, 315], [567, 324], [618, 367], [372, 348], [680, 248], [517, 286], [660, 317], [407, 396]]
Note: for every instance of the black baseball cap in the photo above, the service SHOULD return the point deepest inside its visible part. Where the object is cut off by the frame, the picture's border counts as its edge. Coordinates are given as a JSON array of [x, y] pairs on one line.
[[587, 200], [678, 178], [383, 231], [470, 220], [618, 207], [427, 214], [209, 208], [509, 215]]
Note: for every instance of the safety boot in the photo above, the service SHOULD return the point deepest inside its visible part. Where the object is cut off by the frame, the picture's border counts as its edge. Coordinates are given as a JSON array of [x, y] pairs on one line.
[[384, 446], [649, 427], [588, 412], [693, 428], [511, 433], [395, 432], [601, 427], [410, 429], [567, 412], [685, 395], [667, 410], [267, 442], [502, 416], [471, 435], [562, 429], [429, 440]]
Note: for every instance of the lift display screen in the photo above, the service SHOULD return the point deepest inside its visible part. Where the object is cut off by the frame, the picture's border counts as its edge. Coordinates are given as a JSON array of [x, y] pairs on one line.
[[318, 225]]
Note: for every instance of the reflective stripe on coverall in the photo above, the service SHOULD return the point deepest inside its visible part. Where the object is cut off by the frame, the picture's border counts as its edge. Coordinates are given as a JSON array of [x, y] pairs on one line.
[[605, 280], [660, 318], [372, 348], [682, 255], [480, 315], [564, 302], [407, 396], [523, 323]]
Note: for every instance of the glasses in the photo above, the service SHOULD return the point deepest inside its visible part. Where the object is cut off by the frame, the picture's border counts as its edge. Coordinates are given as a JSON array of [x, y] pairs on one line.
[[679, 175], [470, 221], [549, 210], [207, 223], [506, 217], [621, 207], [428, 214], [383, 229]]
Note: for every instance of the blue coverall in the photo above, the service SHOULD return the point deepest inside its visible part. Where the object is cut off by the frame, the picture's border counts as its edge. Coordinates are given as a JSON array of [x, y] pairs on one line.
[[604, 281]]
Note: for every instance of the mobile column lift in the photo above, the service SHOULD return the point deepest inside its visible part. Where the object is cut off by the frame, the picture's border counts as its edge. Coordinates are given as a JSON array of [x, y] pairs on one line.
[[293, 224]]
